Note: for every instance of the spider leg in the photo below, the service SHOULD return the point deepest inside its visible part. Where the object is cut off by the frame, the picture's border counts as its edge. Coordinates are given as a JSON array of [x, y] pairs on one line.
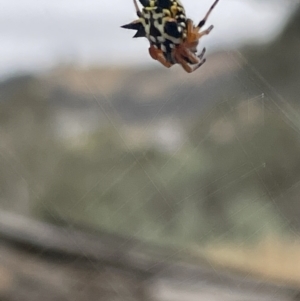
[[202, 60], [201, 55], [199, 65], [205, 32], [184, 64], [189, 56], [193, 34], [138, 12], [185, 53], [158, 55], [203, 21], [187, 67]]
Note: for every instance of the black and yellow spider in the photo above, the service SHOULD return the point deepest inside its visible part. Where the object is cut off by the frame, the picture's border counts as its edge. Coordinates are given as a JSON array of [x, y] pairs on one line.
[[173, 37]]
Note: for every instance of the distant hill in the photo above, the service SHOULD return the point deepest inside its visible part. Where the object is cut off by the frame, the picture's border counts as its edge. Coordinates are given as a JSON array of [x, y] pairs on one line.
[[136, 94]]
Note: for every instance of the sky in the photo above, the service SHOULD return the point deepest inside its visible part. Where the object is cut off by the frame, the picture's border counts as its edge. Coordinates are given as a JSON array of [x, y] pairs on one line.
[[40, 34]]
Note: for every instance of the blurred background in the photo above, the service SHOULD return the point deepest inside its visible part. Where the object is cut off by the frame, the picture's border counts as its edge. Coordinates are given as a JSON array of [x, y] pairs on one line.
[[96, 135]]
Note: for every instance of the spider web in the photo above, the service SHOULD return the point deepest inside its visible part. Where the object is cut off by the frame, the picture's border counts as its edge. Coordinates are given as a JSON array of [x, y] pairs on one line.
[[155, 210]]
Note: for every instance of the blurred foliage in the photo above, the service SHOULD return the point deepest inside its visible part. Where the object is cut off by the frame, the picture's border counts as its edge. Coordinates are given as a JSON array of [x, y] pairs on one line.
[[235, 176], [125, 190], [224, 182], [26, 162]]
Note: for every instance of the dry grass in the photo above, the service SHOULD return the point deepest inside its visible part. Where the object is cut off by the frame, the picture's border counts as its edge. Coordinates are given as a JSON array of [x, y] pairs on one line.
[[271, 259]]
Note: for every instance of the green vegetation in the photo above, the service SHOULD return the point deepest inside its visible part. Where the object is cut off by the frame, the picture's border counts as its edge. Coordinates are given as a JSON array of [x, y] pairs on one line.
[[226, 182]]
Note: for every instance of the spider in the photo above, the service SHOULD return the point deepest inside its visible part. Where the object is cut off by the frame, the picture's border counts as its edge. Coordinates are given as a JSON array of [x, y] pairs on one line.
[[159, 20], [173, 38]]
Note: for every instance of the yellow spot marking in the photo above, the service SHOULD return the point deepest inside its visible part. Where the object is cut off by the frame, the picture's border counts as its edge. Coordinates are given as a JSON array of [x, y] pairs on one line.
[[167, 12], [174, 10]]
